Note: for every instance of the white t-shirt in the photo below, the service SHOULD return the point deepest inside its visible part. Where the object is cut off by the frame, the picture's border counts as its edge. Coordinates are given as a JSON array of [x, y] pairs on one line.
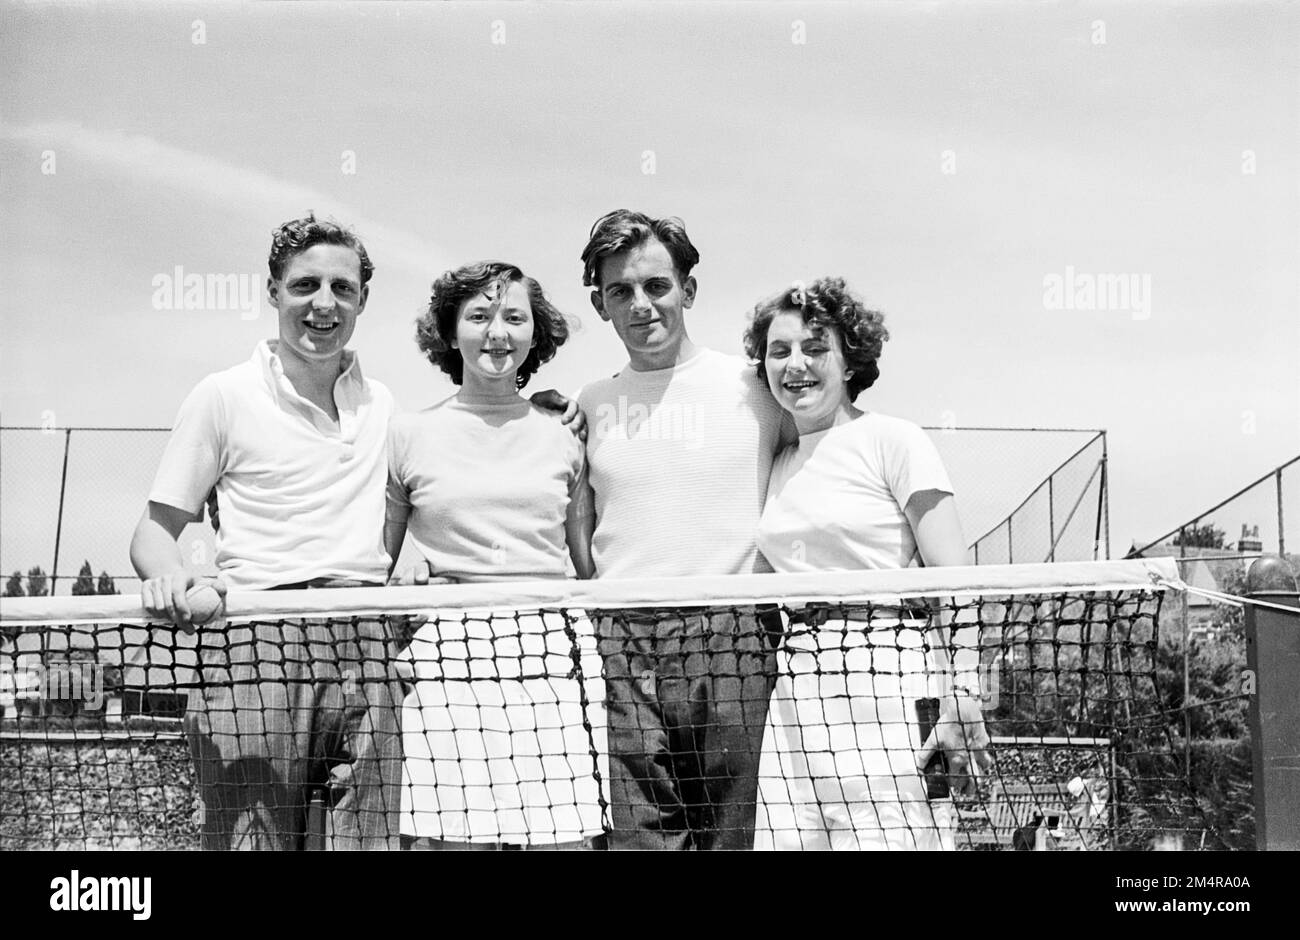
[[487, 488], [836, 498], [679, 460], [300, 495]]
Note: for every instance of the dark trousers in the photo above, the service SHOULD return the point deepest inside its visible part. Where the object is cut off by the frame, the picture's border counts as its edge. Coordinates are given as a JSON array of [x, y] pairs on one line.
[[687, 696], [290, 707]]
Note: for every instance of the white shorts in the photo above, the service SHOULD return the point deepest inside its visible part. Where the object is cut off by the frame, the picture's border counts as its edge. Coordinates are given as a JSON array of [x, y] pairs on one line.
[[838, 767], [502, 740]]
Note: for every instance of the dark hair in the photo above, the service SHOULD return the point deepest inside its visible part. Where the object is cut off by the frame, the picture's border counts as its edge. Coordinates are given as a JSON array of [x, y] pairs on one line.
[[296, 236], [436, 327], [623, 229], [827, 303]]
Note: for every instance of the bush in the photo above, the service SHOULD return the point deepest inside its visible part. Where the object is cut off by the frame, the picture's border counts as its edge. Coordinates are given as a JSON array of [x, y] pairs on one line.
[[96, 794]]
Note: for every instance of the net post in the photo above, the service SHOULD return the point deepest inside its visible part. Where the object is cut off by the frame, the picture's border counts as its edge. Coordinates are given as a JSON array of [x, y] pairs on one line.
[[1273, 660]]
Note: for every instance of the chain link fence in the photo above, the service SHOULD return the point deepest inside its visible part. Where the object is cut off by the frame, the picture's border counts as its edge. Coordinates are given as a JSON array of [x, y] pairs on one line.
[[1262, 517], [1203, 654], [70, 496], [1064, 518]]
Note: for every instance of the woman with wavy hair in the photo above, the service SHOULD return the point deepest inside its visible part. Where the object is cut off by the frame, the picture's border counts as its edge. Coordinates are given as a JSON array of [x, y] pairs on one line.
[[859, 489], [490, 487]]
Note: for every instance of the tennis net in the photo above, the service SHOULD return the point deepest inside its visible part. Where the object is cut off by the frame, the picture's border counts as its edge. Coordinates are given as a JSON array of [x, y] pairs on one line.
[[782, 710]]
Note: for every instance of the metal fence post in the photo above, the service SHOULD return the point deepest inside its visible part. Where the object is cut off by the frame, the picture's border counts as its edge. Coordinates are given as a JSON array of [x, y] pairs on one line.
[[1281, 523], [58, 524], [1051, 520], [1105, 496]]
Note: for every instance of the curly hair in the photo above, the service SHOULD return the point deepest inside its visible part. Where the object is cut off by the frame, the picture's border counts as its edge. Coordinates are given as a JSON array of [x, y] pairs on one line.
[[436, 327], [297, 235], [828, 303], [623, 229]]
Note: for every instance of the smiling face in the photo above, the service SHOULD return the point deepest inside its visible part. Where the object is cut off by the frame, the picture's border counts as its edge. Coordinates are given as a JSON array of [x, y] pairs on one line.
[[494, 332], [806, 372], [319, 298], [640, 293]]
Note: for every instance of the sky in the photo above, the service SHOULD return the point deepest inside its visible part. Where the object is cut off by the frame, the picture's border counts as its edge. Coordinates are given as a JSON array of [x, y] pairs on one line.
[[965, 167]]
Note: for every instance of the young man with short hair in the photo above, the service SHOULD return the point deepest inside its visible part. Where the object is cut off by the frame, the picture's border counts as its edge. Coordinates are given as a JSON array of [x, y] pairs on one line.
[[294, 442], [680, 448]]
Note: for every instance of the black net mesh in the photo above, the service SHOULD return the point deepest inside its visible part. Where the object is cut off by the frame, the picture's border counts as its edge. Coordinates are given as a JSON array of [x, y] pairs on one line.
[[789, 725]]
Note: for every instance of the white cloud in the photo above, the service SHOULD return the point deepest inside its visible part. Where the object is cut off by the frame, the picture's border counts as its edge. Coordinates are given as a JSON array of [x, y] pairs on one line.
[[151, 161]]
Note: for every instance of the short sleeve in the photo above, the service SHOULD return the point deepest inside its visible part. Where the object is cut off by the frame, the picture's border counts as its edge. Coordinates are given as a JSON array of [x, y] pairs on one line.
[[194, 458], [398, 493], [912, 463]]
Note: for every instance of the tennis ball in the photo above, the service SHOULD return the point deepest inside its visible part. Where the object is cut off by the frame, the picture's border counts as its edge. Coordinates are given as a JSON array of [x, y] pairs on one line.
[[205, 603]]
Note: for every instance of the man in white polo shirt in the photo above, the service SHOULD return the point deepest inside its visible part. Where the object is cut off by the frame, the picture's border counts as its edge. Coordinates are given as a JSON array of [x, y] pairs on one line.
[[681, 445], [294, 442]]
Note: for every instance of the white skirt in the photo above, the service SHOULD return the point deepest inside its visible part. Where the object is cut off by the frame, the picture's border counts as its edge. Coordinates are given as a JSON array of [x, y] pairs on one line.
[[838, 766], [502, 742]]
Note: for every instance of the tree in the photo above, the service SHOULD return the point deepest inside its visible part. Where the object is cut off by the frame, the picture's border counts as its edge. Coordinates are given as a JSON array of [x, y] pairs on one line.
[[1200, 536], [85, 583], [13, 588], [1225, 617], [37, 582], [105, 585]]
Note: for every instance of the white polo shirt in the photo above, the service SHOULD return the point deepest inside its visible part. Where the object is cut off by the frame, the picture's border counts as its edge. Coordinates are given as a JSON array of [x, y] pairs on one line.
[[300, 495]]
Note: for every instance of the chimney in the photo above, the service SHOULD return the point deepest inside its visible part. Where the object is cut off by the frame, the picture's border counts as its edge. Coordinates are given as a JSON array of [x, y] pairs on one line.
[[1250, 540]]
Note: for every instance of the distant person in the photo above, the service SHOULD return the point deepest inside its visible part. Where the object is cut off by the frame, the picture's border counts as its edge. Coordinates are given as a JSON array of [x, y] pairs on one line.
[[489, 487], [681, 443], [857, 490], [1087, 823], [1029, 838]]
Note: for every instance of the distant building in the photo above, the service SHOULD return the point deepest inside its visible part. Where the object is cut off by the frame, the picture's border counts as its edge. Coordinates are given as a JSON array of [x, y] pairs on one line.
[[1250, 540], [154, 672], [1214, 569]]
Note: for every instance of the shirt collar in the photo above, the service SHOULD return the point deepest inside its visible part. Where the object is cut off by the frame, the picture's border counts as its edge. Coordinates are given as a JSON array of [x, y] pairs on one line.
[[350, 389], [267, 358]]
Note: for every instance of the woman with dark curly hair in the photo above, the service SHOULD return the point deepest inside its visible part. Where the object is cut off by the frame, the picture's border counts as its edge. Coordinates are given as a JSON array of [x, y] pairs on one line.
[[858, 490], [490, 487]]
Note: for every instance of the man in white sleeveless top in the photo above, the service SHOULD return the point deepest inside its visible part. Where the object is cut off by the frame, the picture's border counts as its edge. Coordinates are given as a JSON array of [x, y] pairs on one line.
[[680, 448]]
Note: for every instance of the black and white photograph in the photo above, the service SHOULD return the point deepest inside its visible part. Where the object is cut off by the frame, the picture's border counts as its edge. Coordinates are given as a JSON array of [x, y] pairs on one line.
[[650, 426]]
